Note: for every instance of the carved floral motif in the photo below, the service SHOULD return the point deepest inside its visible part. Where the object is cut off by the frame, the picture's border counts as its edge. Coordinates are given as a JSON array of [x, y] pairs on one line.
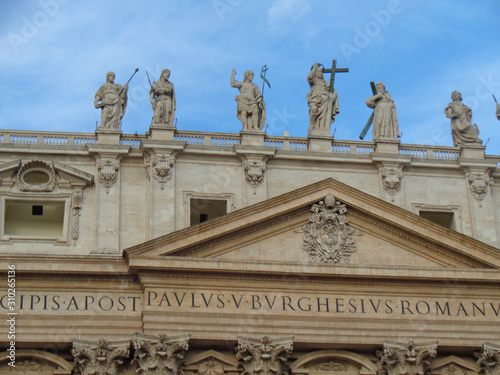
[[99, 357], [478, 184], [161, 167], [160, 354], [391, 180], [489, 358], [211, 367], [330, 366], [328, 237], [410, 359], [265, 356], [254, 173], [107, 173]]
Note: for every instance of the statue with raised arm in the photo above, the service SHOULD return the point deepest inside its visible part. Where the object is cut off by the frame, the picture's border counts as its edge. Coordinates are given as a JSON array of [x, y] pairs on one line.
[[162, 98], [462, 129], [322, 103], [112, 99], [250, 102], [385, 119]]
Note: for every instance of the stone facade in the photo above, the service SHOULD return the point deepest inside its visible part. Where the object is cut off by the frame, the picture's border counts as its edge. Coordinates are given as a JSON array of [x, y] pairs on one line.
[[316, 260]]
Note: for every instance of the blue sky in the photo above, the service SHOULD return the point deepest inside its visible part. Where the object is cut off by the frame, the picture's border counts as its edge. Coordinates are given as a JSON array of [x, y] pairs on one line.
[[55, 54]]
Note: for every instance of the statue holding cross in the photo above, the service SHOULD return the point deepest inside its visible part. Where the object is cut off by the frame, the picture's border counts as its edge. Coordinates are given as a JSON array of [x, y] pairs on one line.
[[323, 99]]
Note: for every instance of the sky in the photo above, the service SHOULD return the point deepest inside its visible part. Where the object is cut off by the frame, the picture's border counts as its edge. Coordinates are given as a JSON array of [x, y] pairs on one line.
[[54, 55]]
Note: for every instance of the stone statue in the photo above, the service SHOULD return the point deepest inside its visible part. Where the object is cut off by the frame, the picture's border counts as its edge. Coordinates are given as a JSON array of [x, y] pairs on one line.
[[462, 130], [385, 119], [320, 100], [250, 102], [162, 97], [112, 99], [498, 111]]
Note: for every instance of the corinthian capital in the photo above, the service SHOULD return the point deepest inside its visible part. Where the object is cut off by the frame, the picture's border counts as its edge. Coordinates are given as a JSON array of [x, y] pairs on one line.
[[406, 358], [100, 357], [264, 356]]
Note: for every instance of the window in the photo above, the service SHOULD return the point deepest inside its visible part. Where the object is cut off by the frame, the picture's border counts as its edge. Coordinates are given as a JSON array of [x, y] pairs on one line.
[[206, 209], [34, 219], [448, 216], [446, 219]]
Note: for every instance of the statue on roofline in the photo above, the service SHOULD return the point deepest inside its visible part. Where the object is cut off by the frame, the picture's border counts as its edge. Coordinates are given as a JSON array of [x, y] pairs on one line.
[[462, 129], [385, 119], [112, 99], [320, 100], [251, 107], [162, 98]]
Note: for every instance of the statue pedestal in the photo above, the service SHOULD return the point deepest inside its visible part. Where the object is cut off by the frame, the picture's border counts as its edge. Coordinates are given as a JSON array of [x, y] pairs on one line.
[[108, 136], [472, 151], [252, 137], [162, 132], [320, 140], [387, 146]]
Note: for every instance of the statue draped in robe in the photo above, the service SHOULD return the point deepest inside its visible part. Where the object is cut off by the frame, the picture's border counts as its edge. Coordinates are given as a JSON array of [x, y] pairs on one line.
[[462, 129], [112, 99]]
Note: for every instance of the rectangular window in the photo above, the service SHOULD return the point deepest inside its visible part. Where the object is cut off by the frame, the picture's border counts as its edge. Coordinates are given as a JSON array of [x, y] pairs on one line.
[[206, 209], [30, 219], [446, 219]]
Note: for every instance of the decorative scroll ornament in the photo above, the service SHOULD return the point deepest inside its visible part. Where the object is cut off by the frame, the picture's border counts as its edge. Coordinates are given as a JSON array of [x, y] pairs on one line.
[[391, 180], [478, 184], [211, 367], [254, 173], [107, 173], [328, 236], [265, 356], [36, 176], [155, 355], [162, 169], [489, 358], [99, 358], [409, 359]]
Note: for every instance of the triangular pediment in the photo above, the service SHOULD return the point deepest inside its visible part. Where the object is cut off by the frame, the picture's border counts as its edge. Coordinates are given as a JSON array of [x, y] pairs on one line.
[[279, 231]]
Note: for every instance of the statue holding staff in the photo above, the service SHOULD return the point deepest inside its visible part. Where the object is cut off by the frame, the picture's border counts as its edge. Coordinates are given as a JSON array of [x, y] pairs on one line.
[[250, 102], [162, 98]]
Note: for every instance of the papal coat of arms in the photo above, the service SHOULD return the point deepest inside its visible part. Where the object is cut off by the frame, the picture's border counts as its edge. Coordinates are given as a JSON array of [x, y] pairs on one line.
[[328, 237]]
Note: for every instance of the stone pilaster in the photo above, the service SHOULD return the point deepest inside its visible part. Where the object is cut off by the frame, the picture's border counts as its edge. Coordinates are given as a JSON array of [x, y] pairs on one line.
[[160, 354], [489, 358], [100, 357], [406, 358], [264, 356]]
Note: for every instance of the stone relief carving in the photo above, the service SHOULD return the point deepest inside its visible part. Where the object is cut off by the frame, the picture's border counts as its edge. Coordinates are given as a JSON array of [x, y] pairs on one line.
[[478, 184], [320, 100], [36, 176], [251, 107], [211, 367], [265, 356], [328, 237], [254, 173], [391, 180], [462, 129], [99, 357], [489, 358], [385, 119], [330, 366], [162, 98], [31, 366], [160, 354], [107, 172], [112, 99], [406, 358], [161, 167]]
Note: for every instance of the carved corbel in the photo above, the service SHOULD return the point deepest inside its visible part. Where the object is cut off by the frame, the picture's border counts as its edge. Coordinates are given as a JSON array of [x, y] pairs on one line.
[[255, 169], [406, 358], [264, 356], [489, 358], [391, 179], [100, 357], [160, 354], [478, 182], [162, 168], [328, 237], [107, 172]]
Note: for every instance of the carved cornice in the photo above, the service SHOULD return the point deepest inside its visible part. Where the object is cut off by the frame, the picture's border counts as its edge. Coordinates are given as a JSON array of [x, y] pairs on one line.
[[406, 358], [264, 356], [160, 354], [100, 357], [489, 358]]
